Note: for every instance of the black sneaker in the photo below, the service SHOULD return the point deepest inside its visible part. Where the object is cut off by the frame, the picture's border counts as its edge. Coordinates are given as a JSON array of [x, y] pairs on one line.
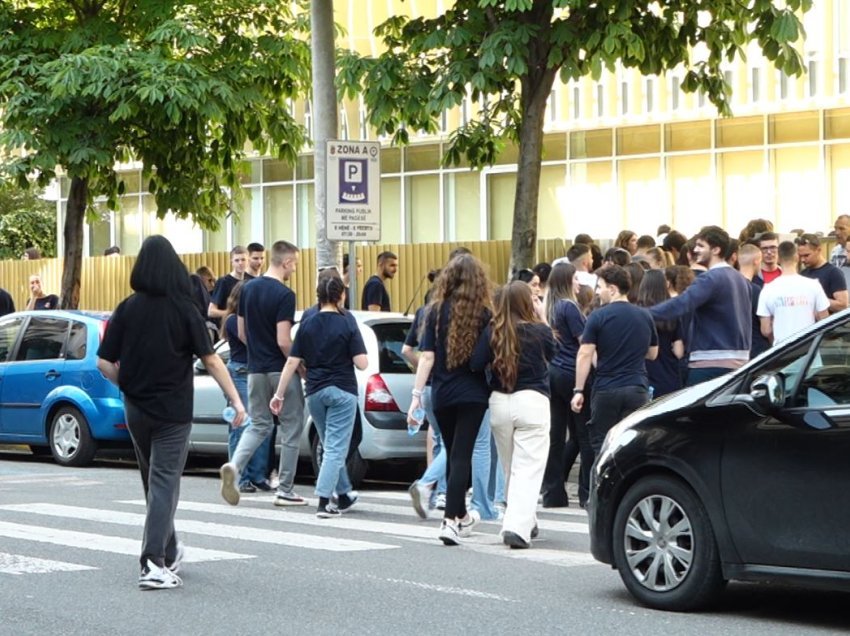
[[345, 502], [264, 485], [247, 487], [514, 540], [328, 511]]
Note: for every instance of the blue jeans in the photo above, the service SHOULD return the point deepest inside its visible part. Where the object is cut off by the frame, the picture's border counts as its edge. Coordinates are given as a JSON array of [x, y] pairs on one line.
[[333, 412], [482, 501], [256, 469], [436, 471], [497, 475]]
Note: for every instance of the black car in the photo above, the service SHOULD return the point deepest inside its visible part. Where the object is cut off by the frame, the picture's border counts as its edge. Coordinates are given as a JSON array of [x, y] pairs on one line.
[[743, 477]]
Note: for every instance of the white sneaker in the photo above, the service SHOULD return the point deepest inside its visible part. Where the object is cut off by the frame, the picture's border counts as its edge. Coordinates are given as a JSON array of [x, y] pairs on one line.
[[465, 526], [178, 560], [448, 533], [440, 501], [419, 495], [229, 483], [154, 577]]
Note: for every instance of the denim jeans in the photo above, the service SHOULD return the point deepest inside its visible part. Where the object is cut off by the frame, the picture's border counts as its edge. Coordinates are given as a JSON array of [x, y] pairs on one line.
[[436, 471], [256, 469], [482, 500], [703, 374], [333, 411], [497, 475]]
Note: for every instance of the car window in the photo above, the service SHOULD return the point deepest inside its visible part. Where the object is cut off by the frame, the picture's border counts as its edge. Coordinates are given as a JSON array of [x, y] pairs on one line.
[[8, 334], [43, 339], [391, 338], [76, 349], [827, 380]]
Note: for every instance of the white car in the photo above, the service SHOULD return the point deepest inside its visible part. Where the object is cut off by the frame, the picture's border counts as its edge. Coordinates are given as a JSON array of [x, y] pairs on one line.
[[384, 393]]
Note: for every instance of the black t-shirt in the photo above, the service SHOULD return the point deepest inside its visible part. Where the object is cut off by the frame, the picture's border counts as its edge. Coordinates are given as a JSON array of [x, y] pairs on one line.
[[200, 294], [622, 334], [830, 278], [238, 350], [374, 293], [263, 303], [327, 342], [461, 385], [223, 287], [568, 325], [664, 372], [759, 343], [51, 301], [7, 305], [536, 348], [153, 338], [412, 338]]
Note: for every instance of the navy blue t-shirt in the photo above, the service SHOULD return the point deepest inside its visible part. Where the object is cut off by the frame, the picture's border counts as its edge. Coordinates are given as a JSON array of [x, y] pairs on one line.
[[412, 338], [327, 342], [264, 302], [223, 287], [238, 351], [829, 277], [536, 348], [622, 334], [568, 325], [461, 385], [664, 372], [374, 293]]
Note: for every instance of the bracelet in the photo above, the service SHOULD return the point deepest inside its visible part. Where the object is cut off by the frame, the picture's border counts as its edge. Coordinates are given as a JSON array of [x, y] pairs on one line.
[[417, 393], [577, 390]]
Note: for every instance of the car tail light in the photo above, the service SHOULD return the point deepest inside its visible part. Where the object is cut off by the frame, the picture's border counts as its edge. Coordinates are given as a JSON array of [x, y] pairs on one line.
[[378, 396]]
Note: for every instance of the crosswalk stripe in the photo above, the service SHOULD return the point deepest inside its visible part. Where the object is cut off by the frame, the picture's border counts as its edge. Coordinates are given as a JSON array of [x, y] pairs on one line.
[[101, 542], [261, 535], [17, 564], [405, 497]]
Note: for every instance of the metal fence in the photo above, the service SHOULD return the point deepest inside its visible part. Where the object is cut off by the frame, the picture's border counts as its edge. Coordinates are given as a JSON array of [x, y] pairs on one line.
[[106, 279]]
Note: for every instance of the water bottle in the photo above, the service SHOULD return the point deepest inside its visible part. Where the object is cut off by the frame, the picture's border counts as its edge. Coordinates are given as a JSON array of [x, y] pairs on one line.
[[229, 414], [419, 418]]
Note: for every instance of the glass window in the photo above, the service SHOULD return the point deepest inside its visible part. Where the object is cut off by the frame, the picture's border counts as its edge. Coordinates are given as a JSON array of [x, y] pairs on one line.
[[638, 140], [693, 193], [509, 154], [785, 128], [554, 147], [391, 337], [129, 223], [501, 193], [590, 144], [390, 160], [745, 187], [462, 196], [798, 188], [839, 176], [600, 100], [550, 219], [827, 380], [675, 91], [132, 181], [304, 193], [278, 211], [423, 208], [8, 335], [755, 84], [837, 124], [275, 170], [304, 167], [740, 131], [100, 228], [76, 349], [642, 194], [241, 217], [424, 157], [687, 135], [391, 210], [788, 366], [591, 189], [43, 339]]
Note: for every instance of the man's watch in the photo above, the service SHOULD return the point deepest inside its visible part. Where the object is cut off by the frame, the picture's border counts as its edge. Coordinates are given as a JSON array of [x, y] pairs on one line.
[[577, 391]]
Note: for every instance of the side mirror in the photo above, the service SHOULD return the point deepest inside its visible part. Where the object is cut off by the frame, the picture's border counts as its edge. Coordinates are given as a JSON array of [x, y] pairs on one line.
[[768, 391]]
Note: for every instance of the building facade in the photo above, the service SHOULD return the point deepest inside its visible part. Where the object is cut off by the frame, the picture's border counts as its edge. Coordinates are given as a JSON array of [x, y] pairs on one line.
[[635, 148]]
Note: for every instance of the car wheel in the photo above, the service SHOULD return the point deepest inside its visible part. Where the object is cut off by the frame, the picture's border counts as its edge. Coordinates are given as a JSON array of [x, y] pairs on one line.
[[70, 440], [664, 546], [356, 465]]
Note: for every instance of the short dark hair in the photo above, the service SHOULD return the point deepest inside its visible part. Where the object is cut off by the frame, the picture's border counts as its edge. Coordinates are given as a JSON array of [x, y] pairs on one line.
[[618, 256], [542, 270], [715, 236], [674, 241], [158, 270], [256, 247], [238, 249], [663, 229], [618, 276], [645, 241], [280, 250], [525, 275], [109, 251], [808, 239], [766, 236], [577, 251], [386, 256], [583, 238], [787, 251]]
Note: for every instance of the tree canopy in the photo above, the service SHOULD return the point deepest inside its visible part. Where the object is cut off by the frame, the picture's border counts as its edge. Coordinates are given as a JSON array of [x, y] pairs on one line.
[[26, 220], [504, 56], [181, 87]]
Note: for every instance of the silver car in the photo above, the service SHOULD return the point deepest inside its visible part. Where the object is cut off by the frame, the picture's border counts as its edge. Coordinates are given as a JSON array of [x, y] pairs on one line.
[[384, 393]]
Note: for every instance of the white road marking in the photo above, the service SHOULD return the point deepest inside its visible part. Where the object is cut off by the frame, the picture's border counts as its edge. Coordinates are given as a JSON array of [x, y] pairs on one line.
[[17, 564], [405, 497], [103, 543], [261, 535]]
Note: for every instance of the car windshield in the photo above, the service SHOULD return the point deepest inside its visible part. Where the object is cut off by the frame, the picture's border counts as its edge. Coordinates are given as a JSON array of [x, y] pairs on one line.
[[391, 338]]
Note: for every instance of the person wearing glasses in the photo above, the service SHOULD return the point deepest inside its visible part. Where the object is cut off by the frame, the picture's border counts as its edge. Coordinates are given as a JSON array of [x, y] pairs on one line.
[[768, 243], [830, 277]]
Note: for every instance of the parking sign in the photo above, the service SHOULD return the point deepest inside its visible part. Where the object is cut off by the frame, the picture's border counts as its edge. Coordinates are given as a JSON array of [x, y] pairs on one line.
[[354, 190]]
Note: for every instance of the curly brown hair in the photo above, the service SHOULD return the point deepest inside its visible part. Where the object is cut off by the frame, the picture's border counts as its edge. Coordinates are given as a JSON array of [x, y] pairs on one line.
[[513, 305], [464, 285]]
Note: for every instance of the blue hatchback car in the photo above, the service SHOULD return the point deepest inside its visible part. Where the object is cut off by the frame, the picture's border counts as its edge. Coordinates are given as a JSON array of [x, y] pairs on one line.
[[52, 396]]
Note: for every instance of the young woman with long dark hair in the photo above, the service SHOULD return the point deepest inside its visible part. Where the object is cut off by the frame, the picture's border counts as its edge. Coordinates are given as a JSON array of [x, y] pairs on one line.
[[567, 320], [518, 345], [330, 345], [148, 351], [458, 312], [665, 371]]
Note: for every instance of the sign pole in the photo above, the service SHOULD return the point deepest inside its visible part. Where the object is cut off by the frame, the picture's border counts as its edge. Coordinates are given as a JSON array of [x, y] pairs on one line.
[[354, 300]]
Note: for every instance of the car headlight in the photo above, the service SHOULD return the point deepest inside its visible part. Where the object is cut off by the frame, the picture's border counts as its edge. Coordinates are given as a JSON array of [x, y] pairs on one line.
[[618, 437]]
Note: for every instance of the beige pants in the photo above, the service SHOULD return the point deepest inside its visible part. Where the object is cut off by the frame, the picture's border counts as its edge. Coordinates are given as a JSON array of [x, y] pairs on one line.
[[520, 424]]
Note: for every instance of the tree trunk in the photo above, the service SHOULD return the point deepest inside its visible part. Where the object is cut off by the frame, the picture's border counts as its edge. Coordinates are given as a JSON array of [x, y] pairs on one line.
[[325, 125], [535, 93], [72, 267]]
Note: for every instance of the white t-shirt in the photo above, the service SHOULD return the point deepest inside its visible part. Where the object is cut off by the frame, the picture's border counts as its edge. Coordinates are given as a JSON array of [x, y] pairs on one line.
[[793, 301], [584, 278]]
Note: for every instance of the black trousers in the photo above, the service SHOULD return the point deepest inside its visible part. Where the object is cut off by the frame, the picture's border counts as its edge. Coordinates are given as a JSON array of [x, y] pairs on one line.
[[609, 406], [459, 426], [562, 451]]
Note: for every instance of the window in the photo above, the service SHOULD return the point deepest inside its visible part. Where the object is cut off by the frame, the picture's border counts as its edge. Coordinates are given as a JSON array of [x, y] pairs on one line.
[[553, 106], [8, 335], [755, 84], [783, 85], [391, 337], [43, 339], [812, 72], [827, 380], [649, 94], [576, 103], [308, 120], [600, 100], [343, 123], [675, 91], [624, 98], [76, 349]]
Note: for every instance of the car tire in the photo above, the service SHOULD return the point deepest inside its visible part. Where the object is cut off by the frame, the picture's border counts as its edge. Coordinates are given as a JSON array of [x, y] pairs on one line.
[[70, 440], [356, 465], [664, 546]]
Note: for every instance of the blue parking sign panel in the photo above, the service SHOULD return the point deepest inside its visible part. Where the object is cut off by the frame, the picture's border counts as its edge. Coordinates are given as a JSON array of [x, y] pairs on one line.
[[354, 190]]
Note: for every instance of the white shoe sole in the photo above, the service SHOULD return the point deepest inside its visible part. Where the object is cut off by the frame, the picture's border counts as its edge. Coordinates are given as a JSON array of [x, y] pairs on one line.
[[229, 491], [416, 499]]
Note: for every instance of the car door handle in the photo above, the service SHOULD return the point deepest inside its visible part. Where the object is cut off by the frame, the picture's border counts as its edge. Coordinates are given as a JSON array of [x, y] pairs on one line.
[[52, 374]]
